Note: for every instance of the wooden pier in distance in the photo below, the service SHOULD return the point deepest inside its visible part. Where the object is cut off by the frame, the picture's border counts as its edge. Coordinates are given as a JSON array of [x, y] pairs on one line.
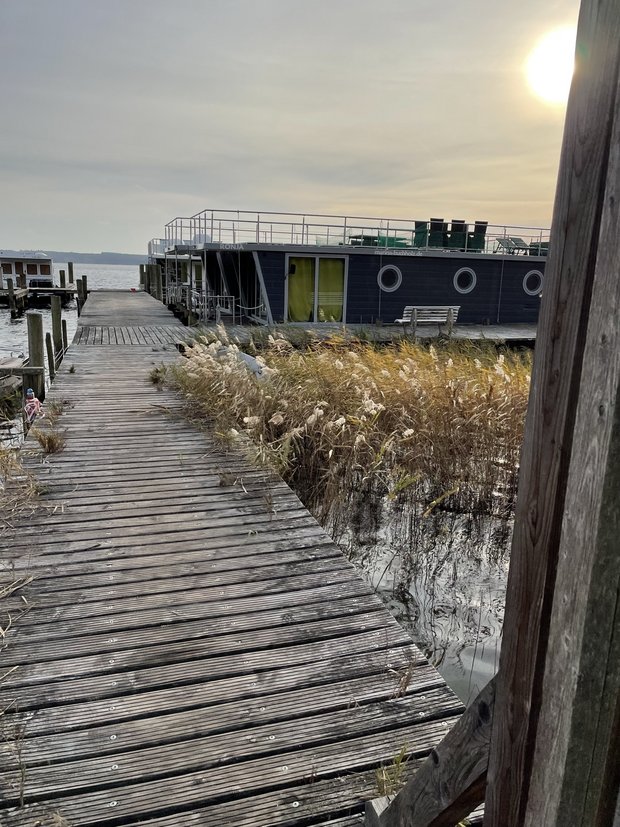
[[189, 646]]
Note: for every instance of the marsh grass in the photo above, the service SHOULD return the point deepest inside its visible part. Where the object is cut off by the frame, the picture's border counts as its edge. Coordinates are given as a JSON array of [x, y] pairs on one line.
[[19, 489], [51, 440], [353, 427]]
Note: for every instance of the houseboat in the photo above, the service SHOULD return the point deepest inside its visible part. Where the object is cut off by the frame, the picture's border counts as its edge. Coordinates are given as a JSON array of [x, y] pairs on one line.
[[27, 270], [298, 269]]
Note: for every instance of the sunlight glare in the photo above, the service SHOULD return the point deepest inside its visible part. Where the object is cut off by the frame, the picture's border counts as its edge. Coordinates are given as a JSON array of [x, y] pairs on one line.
[[549, 66]]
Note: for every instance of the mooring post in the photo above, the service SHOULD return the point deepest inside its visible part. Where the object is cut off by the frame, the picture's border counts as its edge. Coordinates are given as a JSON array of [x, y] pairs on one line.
[[63, 278], [70, 268], [79, 297], [160, 294], [142, 276], [12, 303], [56, 324], [147, 278], [65, 338], [84, 287], [51, 361], [35, 352], [21, 281]]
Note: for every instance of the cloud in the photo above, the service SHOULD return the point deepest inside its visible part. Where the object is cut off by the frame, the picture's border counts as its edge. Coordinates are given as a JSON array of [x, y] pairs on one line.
[[118, 116]]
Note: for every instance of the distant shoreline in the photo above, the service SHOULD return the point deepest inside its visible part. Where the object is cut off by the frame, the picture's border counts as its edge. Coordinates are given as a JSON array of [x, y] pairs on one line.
[[85, 258]]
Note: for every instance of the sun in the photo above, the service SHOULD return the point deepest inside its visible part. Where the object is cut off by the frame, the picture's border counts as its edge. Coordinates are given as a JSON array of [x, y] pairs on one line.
[[549, 66]]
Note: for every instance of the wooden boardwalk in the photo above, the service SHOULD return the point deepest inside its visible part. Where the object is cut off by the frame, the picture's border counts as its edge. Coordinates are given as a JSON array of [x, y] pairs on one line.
[[193, 649]]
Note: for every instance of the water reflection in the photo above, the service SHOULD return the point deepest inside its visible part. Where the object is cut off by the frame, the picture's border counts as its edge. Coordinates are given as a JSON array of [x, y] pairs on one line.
[[447, 585]]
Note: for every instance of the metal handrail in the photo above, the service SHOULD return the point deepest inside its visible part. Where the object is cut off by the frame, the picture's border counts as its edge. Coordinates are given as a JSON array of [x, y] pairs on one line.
[[234, 227]]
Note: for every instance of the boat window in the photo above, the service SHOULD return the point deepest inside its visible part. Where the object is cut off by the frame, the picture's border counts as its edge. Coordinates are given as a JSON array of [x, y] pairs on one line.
[[464, 280], [389, 278], [7, 268], [533, 282], [31, 269], [45, 269]]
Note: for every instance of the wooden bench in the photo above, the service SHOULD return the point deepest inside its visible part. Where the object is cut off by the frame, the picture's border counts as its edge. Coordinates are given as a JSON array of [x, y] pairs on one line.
[[414, 315]]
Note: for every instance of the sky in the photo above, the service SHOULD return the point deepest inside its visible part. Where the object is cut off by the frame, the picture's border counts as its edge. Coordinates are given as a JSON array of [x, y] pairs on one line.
[[119, 115]]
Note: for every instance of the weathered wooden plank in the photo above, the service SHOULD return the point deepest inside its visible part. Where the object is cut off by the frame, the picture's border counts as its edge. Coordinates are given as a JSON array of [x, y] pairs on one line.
[[408, 720], [297, 660], [575, 775], [151, 798], [344, 697], [570, 274], [280, 808], [134, 629]]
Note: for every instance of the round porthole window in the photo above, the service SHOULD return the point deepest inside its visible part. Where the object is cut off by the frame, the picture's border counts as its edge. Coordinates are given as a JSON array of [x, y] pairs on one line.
[[464, 280], [389, 278], [533, 282]]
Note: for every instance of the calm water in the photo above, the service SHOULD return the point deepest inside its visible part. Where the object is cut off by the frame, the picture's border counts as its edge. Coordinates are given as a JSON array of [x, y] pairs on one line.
[[13, 333]]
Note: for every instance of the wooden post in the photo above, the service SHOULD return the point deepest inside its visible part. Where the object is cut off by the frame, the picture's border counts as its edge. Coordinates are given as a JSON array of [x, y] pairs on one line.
[[142, 275], [21, 281], [84, 287], [51, 362], [553, 734], [35, 352], [147, 278], [63, 279], [12, 304], [56, 324], [79, 297], [158, 281], [70, 268], [65, 339]]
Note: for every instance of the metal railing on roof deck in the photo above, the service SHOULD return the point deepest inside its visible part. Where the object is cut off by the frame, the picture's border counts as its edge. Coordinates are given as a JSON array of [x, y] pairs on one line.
[[246, 227]]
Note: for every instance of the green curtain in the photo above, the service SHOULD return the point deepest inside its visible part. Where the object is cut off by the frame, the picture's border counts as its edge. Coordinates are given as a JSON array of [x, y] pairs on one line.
[[331, 289], [301, 290]]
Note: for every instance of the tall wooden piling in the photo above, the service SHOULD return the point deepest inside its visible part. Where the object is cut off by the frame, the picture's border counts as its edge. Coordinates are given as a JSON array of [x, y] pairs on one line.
[[51, 359], [56, 324], [142, 275], [70, 268], [79, 296], [36, 353], [12, 302], [158, 281], [84, 287], [65, 338], [63, 278]]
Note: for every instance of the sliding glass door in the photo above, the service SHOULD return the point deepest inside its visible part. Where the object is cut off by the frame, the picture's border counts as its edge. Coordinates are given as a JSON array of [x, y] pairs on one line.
[[316, 289]]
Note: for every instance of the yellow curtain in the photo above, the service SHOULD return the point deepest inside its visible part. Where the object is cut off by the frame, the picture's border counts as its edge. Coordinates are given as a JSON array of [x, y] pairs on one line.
[[331, 289], [301, 290]]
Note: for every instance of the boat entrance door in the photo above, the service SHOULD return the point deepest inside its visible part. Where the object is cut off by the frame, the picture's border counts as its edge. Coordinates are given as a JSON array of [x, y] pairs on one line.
[[316, 289]]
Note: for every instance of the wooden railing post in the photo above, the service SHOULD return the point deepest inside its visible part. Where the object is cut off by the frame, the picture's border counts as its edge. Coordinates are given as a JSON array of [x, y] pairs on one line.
[[12, 303], [51, 361], [36, 358], [56, 325]]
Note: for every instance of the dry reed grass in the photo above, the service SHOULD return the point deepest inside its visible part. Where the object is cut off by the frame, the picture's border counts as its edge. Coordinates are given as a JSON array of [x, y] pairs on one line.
[[19, 489], [352, 426], [51, 440]]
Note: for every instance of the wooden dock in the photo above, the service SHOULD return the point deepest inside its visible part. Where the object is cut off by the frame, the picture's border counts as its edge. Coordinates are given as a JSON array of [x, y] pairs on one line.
[[192, 648]]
